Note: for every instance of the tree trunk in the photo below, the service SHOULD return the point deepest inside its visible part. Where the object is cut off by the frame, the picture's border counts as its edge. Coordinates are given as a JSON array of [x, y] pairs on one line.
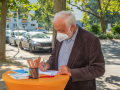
[[103, 24], [59, 6], [2, 30]]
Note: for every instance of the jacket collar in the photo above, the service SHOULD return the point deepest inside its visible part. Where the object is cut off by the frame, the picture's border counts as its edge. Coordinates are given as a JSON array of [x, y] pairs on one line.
[[76, 47]]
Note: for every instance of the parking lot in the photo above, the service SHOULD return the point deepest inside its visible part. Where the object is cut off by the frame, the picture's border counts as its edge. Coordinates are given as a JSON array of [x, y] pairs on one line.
[[12, 50]]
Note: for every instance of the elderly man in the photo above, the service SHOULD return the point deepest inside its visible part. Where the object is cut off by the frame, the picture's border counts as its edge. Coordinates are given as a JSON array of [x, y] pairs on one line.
[[76, 53]]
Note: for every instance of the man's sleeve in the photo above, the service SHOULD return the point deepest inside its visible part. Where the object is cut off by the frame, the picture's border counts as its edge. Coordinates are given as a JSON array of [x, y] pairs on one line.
[[96, 65]]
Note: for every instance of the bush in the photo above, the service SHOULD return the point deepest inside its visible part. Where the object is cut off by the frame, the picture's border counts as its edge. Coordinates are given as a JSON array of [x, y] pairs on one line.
[[102, 36], [95, 28], [116, 28], [109, 35], [116, 36]]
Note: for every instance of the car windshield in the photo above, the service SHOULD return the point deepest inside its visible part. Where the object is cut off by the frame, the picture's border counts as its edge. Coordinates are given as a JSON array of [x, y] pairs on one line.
[[39, 36], [8, 32], [20, 33], [41, 30]]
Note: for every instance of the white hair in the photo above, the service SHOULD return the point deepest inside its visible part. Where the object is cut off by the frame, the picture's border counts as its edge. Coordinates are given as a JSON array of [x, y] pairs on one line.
[[69, 17]]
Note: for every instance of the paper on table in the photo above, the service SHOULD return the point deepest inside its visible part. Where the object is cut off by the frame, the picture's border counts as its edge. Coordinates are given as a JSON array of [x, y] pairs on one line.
[[49, 72]]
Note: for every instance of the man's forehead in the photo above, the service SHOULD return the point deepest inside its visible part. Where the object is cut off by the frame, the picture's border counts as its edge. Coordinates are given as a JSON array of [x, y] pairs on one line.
[[59, 22]]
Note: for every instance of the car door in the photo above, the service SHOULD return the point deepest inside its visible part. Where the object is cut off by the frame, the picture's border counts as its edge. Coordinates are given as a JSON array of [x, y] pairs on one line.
[[12, 38], [22, 40], [27, 40]]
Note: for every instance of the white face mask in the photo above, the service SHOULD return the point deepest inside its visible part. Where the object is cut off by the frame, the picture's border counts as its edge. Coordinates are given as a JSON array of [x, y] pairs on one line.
[[61, 36]]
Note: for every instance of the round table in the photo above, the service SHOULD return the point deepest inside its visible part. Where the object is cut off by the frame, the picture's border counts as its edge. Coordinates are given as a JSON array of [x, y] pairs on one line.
[[55, 83]]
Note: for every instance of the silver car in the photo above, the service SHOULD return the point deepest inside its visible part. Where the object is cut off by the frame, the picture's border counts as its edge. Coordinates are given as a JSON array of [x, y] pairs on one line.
[[42, 30], [36, 41], [13, 39], [8, 33]]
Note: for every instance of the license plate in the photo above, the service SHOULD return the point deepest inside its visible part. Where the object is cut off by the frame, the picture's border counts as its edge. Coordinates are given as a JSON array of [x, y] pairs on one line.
[[46, 47]]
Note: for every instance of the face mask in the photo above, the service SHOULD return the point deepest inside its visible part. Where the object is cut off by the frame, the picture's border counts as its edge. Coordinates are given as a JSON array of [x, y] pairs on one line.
[[61, 36]]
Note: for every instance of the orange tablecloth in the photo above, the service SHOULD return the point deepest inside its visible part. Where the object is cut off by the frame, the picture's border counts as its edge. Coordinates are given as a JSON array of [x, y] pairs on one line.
[[56, 83]]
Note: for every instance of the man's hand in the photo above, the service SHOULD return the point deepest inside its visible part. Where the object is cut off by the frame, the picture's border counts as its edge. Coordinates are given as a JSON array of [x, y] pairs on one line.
[[64, 70], [47, 66]]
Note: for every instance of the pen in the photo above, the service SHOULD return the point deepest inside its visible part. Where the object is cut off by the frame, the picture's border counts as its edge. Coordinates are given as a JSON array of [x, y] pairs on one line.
[[44, 64], [46, 76]]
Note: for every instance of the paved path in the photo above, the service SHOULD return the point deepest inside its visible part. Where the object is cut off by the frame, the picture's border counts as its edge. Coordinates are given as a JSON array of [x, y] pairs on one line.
[[111, 78], [110, 49]]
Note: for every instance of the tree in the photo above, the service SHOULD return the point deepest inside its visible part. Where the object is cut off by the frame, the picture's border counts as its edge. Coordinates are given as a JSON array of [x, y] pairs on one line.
[[2, 29], [96, 20], [86, 19], [102, 6], [5, 5], [59, 6], [44, 12]]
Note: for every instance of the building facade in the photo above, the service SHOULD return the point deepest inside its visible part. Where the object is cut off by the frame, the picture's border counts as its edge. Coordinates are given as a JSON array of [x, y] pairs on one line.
[[26, 24]]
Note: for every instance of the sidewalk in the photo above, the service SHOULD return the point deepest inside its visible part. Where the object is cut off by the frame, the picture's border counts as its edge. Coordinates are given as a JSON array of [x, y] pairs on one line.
[[109, 81], [6, 66]]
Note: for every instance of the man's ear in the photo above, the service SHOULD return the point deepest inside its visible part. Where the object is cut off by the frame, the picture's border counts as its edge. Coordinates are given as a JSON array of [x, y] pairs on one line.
[[72, 27]]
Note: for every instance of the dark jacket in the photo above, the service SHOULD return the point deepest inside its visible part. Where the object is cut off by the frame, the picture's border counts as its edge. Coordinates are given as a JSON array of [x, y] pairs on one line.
[[86, 61]]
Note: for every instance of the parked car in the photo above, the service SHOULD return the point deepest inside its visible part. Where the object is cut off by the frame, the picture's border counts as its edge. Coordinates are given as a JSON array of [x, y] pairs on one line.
[[36, 41], [20, 28], [13, 39], [8, 32], [42, 30]]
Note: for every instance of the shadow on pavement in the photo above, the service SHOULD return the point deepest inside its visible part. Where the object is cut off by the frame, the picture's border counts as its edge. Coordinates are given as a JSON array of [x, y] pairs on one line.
[[7, 66], [108, 82], [111, 52], [113, 80]]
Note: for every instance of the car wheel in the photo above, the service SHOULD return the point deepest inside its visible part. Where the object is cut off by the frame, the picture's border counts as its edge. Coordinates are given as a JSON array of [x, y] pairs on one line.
[[9, 43], [15, 43], [30, 48], [21, 46]]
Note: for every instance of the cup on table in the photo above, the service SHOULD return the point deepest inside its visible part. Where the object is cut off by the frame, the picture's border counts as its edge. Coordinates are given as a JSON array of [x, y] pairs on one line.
[[33, 73]]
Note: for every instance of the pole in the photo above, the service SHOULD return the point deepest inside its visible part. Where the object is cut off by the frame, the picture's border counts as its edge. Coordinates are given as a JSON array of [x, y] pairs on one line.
[[18, 30], [17, 34]]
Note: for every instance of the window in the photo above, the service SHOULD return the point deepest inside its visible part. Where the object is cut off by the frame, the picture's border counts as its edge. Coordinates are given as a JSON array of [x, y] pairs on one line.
[[24, 19], [32, 24], [24, 25], [39, 36], [20, 33], [7, 26], [14, 25], [27, 36], [24, 35], [12, 34]]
